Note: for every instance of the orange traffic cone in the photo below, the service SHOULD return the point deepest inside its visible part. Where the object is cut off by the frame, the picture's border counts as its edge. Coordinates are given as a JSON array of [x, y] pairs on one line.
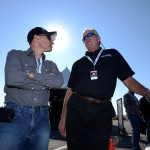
[[111, 145]]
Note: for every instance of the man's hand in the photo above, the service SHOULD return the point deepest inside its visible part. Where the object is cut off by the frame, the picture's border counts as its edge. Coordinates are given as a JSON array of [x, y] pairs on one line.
[[62, 127]]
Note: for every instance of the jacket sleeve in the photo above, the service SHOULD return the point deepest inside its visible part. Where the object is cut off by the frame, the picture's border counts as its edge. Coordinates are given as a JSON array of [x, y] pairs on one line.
[[15, 76], [52, 79]]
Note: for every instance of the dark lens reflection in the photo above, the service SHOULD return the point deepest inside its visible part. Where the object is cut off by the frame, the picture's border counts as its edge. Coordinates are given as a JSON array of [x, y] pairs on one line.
[[88, 35]]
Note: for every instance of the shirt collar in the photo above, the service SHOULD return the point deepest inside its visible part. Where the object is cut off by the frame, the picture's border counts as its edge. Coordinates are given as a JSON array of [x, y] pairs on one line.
[[30, 51], [94, 54]]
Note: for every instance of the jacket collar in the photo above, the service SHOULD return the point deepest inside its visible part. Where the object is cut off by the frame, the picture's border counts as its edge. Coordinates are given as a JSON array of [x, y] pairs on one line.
[[30, 52]]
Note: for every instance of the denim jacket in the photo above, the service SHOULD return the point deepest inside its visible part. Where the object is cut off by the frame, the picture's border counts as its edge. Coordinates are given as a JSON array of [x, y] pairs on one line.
[[21, 89]]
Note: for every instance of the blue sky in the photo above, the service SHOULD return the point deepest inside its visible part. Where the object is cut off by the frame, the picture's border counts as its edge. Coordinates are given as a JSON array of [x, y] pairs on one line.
[[122, 24]]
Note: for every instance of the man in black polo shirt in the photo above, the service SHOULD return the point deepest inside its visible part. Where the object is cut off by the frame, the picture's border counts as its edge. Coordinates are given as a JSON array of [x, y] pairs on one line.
[[87, 113]]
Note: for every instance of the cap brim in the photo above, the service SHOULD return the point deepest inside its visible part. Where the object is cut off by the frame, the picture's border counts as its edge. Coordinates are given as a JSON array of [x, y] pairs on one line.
[[53, 35]]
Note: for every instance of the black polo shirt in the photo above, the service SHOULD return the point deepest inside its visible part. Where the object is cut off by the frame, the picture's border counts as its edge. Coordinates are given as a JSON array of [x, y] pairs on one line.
[[110, 66]]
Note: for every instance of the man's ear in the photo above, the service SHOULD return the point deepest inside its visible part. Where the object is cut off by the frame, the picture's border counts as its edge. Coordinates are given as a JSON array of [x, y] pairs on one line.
[[36, 38]]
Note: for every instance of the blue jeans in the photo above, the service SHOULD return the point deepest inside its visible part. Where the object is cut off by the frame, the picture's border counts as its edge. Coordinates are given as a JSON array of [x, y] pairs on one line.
[[135, 124], [29, 129]]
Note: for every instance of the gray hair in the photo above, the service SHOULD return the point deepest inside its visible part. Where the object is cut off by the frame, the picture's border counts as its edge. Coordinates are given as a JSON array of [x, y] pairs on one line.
[[91, 29]]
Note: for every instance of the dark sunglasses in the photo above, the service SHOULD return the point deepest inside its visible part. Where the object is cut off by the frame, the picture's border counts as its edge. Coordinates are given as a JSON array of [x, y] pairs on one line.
[[88, 35]]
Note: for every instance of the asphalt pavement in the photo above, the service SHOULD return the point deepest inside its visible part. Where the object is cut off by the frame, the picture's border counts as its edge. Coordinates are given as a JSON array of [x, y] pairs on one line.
[[123, 142]]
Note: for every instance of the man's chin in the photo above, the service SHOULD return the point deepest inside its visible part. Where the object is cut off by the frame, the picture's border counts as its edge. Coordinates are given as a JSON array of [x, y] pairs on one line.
[[48, 50]]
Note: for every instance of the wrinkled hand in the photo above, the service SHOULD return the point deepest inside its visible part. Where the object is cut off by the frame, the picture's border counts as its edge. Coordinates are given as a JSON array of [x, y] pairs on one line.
[[62, 127]]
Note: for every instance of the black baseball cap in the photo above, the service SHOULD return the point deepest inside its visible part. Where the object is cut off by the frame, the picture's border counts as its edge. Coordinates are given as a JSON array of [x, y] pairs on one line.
[[40, 31]]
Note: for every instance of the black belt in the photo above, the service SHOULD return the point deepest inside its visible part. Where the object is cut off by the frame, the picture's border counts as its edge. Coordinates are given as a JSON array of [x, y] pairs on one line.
[[93, 100]]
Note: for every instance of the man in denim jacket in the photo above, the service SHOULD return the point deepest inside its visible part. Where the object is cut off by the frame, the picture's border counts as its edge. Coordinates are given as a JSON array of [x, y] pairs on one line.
[[28, 80]]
